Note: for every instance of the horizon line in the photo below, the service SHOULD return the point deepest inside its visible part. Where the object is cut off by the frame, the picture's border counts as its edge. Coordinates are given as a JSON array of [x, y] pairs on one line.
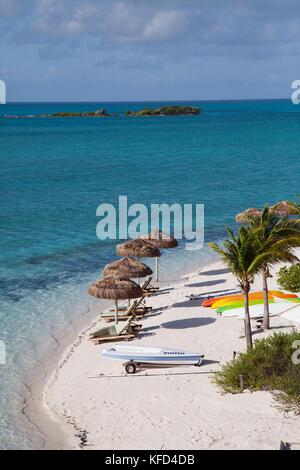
[[151, 101]]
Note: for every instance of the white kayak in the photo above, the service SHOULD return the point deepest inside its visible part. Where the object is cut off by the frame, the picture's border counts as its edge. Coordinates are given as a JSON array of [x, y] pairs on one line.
[[257, 311], [148, 355], [283, 299], [209, 295]]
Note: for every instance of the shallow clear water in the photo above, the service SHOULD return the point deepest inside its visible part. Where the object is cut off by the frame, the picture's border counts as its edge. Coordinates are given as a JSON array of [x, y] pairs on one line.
[[56, 171]]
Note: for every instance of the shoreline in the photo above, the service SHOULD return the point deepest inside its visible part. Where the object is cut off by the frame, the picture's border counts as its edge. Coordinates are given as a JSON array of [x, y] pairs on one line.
[[48, 428], [88, 409], [51, 429], [47, 410]]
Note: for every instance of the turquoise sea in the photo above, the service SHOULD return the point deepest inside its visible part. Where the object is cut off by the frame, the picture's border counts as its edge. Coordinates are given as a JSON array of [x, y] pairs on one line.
[[56, 171]]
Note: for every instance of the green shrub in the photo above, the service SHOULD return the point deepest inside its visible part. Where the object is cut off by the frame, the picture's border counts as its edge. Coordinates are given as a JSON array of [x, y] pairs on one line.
[[175, 110], [289, 278], [268, 366], [145, 112]]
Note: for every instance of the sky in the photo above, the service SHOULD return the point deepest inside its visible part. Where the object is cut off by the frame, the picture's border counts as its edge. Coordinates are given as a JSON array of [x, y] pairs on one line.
[[135, 50]]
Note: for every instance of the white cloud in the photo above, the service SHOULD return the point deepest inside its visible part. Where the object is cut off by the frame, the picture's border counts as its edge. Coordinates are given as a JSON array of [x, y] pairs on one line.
[[186, 27], [113, 21], [165, 25]]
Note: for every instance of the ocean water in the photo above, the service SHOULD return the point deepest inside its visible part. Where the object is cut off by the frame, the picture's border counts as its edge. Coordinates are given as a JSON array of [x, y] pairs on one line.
[[56, 171]]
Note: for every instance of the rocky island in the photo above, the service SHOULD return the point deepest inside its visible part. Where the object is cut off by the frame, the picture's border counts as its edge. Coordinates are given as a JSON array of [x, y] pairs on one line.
[[165, 111], [98, 113], [161, 111]]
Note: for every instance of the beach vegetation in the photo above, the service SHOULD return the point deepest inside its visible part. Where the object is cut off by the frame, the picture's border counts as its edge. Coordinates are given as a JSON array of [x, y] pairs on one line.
[[276, 238], [289, 278], [273, 364], [66, 114], [264, 242], [165, 111], [239, 253], [97, 113]]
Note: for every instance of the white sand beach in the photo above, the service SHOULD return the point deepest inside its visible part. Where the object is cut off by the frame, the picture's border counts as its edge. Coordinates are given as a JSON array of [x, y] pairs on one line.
[[169, 411]]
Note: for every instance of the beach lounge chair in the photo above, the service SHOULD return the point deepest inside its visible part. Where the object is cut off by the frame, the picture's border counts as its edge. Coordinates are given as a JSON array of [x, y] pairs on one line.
[[125, 314], [147, 285], [125, 307], [148, 289], [125, 331], [148, 293], [122, 308], [138, 306], [150, 286]]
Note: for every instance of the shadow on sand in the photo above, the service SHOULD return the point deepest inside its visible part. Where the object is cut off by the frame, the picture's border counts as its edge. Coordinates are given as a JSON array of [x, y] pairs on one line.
[[189, 303], [207, 283], [156, 310], [214, 272], [207, 362], [142, 335], [149, 328], [188, 323], [163, 291], [256, 331]]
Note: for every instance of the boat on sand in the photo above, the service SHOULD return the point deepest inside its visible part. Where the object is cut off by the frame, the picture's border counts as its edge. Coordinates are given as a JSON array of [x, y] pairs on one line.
[[136, 355]]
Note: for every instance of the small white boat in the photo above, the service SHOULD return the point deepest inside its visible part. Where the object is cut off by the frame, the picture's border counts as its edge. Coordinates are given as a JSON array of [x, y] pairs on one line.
[[148, 355], [216, 293]]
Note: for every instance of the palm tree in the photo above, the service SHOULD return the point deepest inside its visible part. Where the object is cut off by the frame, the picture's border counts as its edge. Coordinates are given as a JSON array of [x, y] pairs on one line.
[[275, 240], [240, 255]]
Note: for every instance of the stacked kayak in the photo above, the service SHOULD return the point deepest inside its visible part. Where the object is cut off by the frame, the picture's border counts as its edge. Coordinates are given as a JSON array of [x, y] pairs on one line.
[[257, 311], [233, 305], [240, 304], [219, 301]]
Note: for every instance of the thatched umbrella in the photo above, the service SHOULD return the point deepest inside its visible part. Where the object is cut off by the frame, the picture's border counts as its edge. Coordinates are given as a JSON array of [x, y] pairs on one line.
[[284, 208], [252, 211], [127, 268], [115, 288], [160, 240], [139, 248]]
